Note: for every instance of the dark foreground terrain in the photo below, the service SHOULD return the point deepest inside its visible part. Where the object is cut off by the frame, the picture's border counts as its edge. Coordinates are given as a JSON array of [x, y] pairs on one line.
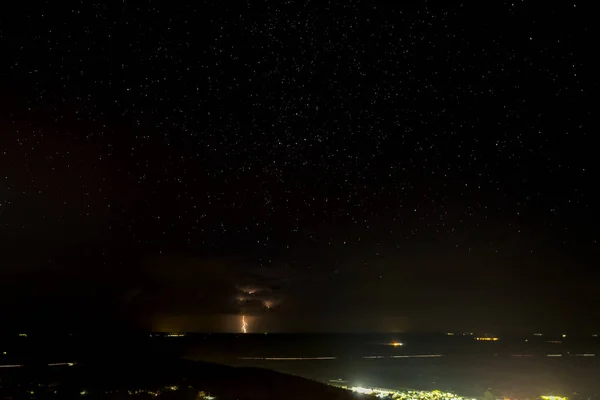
[[108, 372], [272, 366]]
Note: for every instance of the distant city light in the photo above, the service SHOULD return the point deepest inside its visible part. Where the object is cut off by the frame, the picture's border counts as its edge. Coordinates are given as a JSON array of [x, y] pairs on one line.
[[450, 333], [487, 339], [538, 334], [554, 398], [22, 334], [361, 390], [405, 394], [83, 393], [175, 334], [564, 335], [595, 335], [395, 344]]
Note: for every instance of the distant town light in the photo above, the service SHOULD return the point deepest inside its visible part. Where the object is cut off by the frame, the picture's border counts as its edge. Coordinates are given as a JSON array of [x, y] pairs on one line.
[[450, 333], [395, 344], [404, 394], [487, 339], [564, 335], [22, 334], [362, 390]]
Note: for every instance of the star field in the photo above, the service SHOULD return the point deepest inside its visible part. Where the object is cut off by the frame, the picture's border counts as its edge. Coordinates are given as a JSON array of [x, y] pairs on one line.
[[320, 143]]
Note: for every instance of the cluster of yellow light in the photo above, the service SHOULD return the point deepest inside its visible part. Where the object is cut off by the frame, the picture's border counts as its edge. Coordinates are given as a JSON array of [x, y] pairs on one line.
[[404, 395], [376, 391], [450, 333], [554, 398], [538, 334], [487, 339], [361, 390], [172, 388], [395, 344], [175, 334], [22, 334]]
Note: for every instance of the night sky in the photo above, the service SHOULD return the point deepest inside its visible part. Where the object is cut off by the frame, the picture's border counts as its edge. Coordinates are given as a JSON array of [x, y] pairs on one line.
[[315, 166]]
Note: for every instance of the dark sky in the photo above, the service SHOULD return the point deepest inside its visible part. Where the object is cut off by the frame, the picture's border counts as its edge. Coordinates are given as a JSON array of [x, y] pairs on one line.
[[315, 166]]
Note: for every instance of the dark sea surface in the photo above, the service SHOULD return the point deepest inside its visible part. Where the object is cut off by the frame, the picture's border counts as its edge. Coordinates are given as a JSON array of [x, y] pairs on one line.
[[513, 366], [517, 367]]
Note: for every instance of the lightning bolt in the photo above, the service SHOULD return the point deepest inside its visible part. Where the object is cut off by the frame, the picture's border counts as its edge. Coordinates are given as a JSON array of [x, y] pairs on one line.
[[244, 324]]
